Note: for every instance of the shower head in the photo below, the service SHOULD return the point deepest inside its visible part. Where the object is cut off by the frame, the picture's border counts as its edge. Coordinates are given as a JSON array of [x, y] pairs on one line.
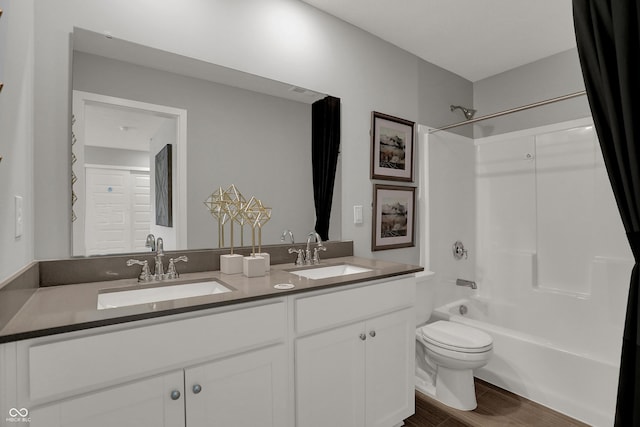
[[468, 112]]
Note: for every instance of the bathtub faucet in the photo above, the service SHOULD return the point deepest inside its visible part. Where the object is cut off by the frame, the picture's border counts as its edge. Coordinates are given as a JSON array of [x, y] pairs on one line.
[[468, 283]]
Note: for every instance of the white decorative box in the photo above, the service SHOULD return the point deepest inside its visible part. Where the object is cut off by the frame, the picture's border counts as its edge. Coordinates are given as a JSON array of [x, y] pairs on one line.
[[253, 266], [231, 264]]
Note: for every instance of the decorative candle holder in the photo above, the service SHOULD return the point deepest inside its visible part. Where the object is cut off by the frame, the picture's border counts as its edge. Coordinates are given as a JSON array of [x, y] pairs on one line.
[[253, 265], [216, 203], [234, 206], [265, 216], [222, 207]]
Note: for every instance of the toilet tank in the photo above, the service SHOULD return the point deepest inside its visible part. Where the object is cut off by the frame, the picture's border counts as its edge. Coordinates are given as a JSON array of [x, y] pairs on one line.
[[425, 296]]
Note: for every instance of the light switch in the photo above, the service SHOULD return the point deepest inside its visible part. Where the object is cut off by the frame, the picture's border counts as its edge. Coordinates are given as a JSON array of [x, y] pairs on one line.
[[357, 214], [18, 216]]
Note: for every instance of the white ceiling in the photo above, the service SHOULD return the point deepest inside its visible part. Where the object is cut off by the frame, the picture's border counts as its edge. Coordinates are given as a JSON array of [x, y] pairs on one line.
[[472, 38], [121, 128]]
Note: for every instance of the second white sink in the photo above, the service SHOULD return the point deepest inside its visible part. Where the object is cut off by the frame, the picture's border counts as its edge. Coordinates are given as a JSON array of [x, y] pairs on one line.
[[159, 293], [330, 271]]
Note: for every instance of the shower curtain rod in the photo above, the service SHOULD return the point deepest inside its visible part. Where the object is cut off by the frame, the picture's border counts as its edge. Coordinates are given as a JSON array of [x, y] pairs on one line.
[[513, 110]]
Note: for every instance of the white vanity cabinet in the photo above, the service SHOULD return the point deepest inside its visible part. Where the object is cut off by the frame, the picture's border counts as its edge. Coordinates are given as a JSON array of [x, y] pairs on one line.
[[340, 356], [354, 355], [220, 369], [141, 403], [246, 390]]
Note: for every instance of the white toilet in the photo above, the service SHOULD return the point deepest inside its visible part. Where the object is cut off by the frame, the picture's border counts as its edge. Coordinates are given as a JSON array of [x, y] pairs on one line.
[[447, 353]]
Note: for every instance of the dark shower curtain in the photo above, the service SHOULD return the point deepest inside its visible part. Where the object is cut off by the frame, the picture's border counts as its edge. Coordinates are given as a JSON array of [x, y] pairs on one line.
[[325, 146], [608, 41]]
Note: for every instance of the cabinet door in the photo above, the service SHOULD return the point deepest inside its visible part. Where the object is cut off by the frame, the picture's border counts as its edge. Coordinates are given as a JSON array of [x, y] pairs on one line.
[[330, 378], [145, 403], [246, 390], [390, 368]]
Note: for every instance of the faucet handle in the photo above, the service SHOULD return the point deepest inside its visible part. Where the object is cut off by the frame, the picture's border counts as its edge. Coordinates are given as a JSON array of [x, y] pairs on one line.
[[316, 254], [300, 257], [172, 273], [145, 274]]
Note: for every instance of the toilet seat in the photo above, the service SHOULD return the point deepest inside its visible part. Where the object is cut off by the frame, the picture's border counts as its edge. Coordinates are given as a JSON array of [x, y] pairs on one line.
[[456, 337]]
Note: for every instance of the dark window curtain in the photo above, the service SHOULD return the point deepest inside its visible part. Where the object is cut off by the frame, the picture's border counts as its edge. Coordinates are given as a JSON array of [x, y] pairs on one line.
[[325, 146], [608, 41]]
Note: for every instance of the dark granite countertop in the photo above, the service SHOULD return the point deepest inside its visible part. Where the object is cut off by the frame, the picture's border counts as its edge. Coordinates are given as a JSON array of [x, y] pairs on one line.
[[65, 308]]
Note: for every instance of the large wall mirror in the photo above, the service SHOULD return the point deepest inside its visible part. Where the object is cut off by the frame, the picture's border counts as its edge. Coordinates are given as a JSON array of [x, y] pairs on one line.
[[222, 127]]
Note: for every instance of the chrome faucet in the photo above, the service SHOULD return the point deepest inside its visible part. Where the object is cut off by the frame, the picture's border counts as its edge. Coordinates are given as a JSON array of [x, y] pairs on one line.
[[468, 283], [145, 274], [159, 270], [151, 242], [284, 235], [299, 252], [316, 257]]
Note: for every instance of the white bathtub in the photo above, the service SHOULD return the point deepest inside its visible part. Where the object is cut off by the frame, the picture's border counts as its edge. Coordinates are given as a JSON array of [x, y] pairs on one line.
[[579, 383]]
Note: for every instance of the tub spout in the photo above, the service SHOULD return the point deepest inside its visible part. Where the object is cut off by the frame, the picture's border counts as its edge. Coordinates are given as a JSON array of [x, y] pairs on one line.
[[468, 283]]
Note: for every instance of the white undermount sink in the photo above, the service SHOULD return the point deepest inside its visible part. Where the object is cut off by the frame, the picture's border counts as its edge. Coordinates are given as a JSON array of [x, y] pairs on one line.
[[159, 293], [330, 271]]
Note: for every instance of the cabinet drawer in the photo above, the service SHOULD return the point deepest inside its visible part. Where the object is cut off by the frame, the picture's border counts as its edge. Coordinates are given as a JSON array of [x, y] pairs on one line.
[[339, 307], [78, 364]]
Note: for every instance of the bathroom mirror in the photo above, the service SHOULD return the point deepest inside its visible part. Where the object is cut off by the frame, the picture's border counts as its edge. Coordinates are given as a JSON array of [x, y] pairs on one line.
[[224, 127]]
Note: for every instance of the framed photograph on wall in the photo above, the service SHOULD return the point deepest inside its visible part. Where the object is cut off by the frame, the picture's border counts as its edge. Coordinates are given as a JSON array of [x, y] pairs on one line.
[[391, 148], [164, 193], [393, 217]]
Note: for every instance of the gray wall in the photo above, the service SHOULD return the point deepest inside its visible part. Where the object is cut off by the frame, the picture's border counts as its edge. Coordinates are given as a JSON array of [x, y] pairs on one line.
[[547, 78], [438, 89], [260, 143], [16, 134]]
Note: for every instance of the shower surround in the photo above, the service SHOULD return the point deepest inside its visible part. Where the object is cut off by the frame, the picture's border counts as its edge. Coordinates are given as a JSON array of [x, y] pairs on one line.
[[549, 255]]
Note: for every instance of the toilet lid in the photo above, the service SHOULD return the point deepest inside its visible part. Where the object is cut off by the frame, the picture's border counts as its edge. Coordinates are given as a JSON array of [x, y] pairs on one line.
[[456, 336]]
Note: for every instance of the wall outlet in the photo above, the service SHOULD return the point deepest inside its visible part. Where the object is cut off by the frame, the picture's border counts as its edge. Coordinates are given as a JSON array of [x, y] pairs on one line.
[[19, 220]]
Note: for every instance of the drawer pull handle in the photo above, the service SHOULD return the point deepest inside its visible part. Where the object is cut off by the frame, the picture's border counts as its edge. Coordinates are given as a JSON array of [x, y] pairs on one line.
[[372, 333], [197, 389], [175, 395], [363, 337]]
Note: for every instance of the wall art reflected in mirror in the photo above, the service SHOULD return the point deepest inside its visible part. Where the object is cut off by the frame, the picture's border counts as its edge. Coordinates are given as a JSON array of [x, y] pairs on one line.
[[164, 203], [225, 127]]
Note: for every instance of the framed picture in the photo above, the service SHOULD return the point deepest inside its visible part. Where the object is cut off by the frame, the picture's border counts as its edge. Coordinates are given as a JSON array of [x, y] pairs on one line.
[[393, 217], [391, 148], [164, 194]]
